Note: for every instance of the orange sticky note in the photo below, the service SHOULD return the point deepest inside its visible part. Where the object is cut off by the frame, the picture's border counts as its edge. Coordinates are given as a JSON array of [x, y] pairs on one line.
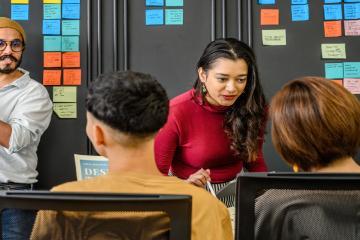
[[72, 76], [52, 59], [338, 81], [269, 17], [52, 77], [332, 29], [71, 59]]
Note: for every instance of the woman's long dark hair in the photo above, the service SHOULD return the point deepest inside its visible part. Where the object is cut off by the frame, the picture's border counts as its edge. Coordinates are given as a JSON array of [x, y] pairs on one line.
[[247, 116]]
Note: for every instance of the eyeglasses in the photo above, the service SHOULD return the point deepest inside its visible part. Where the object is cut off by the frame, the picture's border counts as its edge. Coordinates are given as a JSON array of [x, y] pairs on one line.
[[16, 45]]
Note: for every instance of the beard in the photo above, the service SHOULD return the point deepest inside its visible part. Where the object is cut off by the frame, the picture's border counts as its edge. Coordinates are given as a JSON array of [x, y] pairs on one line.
[[8, 69]]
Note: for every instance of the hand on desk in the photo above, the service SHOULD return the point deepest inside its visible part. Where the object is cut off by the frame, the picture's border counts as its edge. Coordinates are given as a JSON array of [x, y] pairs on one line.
[[200, 177]]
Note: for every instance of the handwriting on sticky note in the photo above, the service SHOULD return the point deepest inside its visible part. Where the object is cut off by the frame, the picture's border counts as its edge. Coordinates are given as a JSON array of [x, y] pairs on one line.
[[264, 2], [72, 76], [352, 27], [155, 3], [154, 17], [352, 11], [70, 43], [70, 27], [51, 77], [352, 84], [51, 27], [71, 11], [174, 17], [351, 69], [269, 16], [71, 59], [174, 3], [65, 110], [333, 51], [334, 70], [52, 59], [332, 29], [274, 37], [332, 12], [20, 1], [20, 11], [52, 11], [51, 1], [64, 94], [300, 12], [52, 43]]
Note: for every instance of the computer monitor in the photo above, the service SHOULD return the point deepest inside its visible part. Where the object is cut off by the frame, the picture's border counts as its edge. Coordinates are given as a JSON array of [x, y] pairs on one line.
[[297, 206]]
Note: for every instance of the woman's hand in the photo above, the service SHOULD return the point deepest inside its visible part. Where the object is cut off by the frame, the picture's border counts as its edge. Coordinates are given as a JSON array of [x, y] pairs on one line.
[[199, 178]]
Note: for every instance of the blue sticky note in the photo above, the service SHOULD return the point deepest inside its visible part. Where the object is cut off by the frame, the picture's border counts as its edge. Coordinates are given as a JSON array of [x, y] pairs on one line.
[[71, 11], [52, 43], [332, 12], [70, 27], [52, 11], [154, 17], [70, 1], [20, 12], [51, 27], [334, 70], [156, 3], [298, 1], [174, 16], [266, 2], [352, 11], [300, 12], [347, 1], [351, 69], [174, 3], [332, 1], [70, 44]]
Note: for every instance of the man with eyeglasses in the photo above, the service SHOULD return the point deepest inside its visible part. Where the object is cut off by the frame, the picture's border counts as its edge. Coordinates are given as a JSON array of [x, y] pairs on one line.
[[25, 113]]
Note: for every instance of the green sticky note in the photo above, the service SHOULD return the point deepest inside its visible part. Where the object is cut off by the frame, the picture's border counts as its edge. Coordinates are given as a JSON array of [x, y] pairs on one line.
[[70, 44], [64, 94], [174, 3], [52, 43], [65, 110], [174, 17], [333, 51], [70, 27], [274, 37]]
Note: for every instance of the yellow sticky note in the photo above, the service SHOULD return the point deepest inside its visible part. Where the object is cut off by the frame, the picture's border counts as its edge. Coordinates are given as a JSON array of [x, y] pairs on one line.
[[19, 1], [274, 37], [64, 94], [333, 51], [52, 1], [65, 110]]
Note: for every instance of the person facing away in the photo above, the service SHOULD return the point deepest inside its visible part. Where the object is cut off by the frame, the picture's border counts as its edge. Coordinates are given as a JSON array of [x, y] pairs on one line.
[[216, 128], [315, 128], [25, 113], [124, 112]]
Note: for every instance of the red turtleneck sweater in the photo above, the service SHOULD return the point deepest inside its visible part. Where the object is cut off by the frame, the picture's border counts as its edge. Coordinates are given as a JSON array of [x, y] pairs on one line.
[[194, 138]]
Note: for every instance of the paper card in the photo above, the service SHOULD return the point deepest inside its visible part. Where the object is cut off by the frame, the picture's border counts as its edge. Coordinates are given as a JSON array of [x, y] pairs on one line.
[[52, 43], [52, 59], [51, 77], [332, 12], [174, 16], [71, 1], [72, 76], [154, 3], [71, 59], [337, 81], [274, 37], [52, 11], [51, 27], [269, 16], [88, 166], [332, 1], [352, 85], [20, 1], [70, 27], [300, 12], [51, 1], [299, 2], [65, 110], [265, 2], [333, 51], [351, 69], [352, 27], [174, 3], [64, 94], [352, 11], [154, 17], [20, 12], [332, 29], [71, 11], [334, 70], [70, 44]]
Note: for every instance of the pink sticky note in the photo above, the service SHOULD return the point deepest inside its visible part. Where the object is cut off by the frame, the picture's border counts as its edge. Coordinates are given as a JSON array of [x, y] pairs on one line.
[[352, 84], [352, 28]]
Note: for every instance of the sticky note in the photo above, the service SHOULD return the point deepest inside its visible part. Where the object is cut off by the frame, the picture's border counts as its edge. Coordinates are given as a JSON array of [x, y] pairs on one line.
[[52, 59], [352, 11], [352, 85], [332, 12], [300, 12], [347, 1], [333, 51], [51, 77], [64, 94], [65, 110], [332, 29], [70, 1], [274, 37], [20, 12], [351, 69], [72, 77], [352, 27], [264, 2], [269, 16], [334, 70], [71, 59], [70, 44], [51, 1], [298, 1], [337, 81], [52, 43], [71, 11], [20, 1], [51, 27], [332, 1], [52, 11], [174, 16], [70, 27], [174, 3], [154, 17]]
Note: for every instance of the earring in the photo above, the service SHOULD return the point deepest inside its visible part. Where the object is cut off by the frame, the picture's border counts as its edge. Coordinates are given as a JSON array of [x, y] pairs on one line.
[[203, 89]]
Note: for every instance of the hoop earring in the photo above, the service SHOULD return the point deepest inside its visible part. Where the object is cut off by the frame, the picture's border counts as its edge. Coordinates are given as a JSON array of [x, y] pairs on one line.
[[203, 89]]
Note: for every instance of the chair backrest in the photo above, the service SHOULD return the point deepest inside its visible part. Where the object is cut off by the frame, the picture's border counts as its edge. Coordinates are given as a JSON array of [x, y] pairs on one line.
[[177, 207], [297, 206]]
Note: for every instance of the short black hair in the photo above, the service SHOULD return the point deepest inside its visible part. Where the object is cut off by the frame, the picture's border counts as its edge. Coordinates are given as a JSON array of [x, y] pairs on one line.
[[130, 102]]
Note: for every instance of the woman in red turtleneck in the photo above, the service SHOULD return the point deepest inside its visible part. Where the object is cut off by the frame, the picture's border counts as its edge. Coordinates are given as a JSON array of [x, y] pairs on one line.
[[217, 128]]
